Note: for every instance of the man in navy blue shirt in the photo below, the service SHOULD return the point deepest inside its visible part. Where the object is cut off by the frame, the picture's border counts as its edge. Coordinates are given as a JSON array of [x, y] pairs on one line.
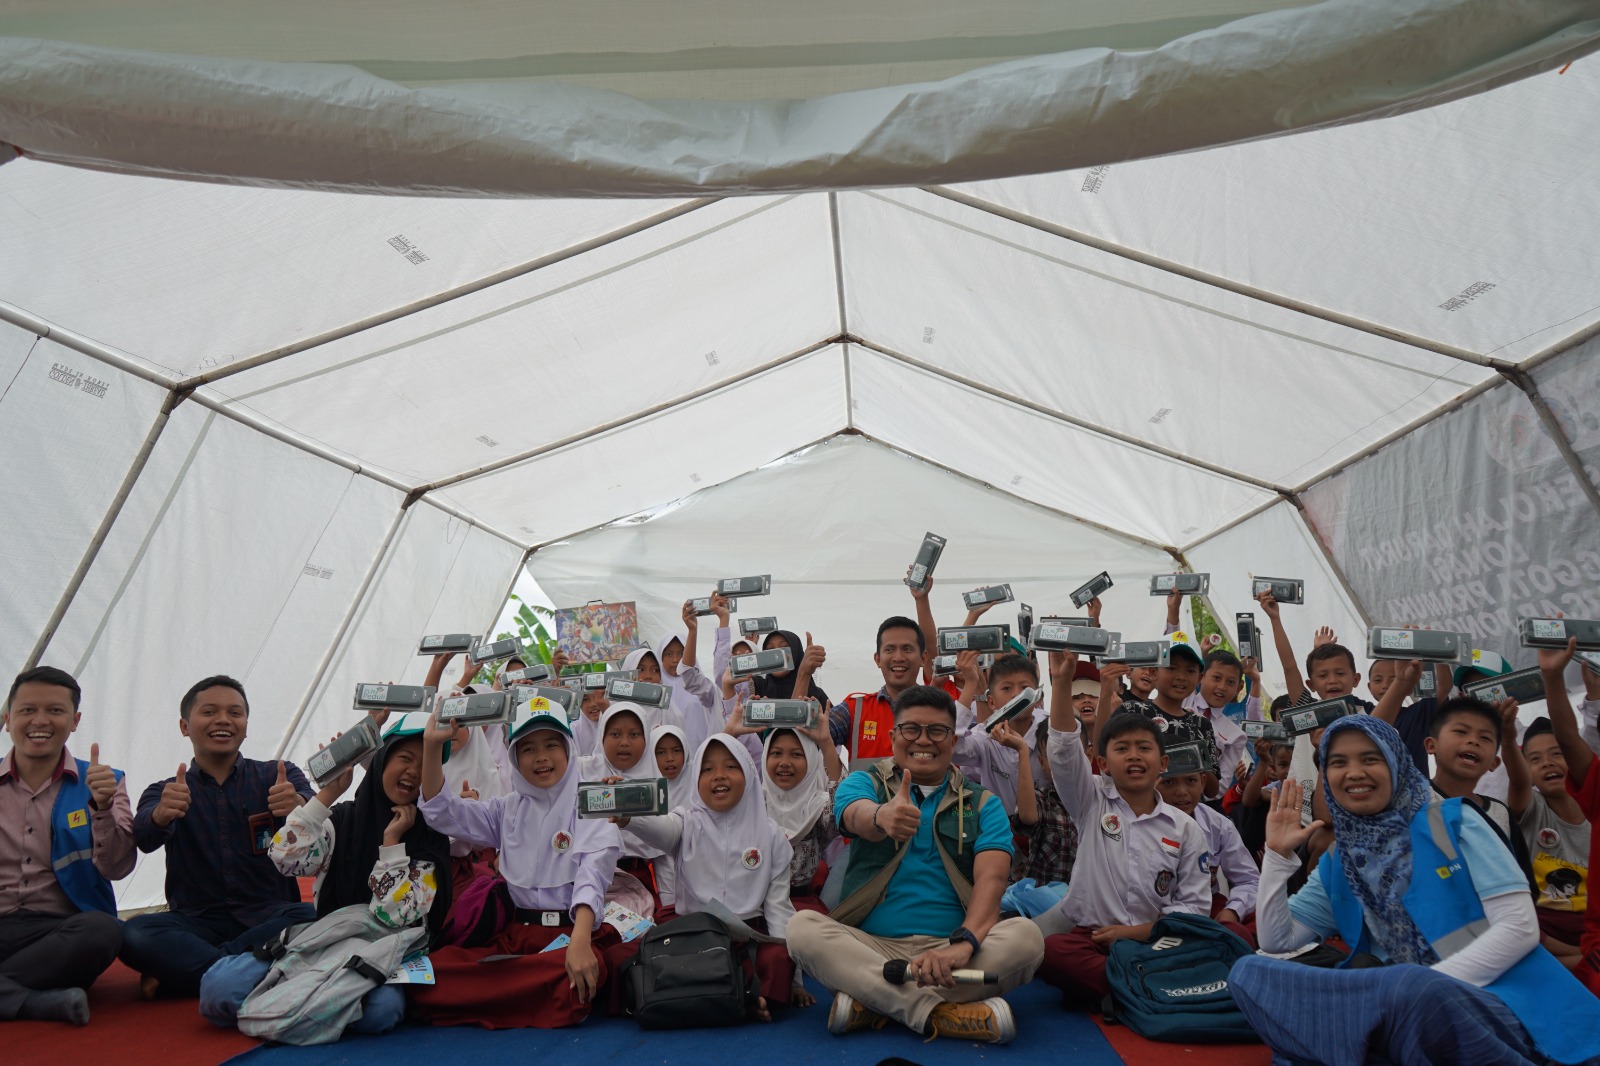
[[216, 819]]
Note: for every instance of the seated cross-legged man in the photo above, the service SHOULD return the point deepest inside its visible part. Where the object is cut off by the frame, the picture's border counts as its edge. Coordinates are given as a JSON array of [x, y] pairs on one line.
[[216, 819], [930, 853], [66, 832]]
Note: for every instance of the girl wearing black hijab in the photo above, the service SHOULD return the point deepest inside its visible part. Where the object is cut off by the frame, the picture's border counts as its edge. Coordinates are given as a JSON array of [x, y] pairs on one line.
[[796, 683], [375, 850]]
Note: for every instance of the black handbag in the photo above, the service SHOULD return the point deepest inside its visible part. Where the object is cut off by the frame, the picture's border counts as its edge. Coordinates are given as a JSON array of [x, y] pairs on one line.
[[689, 974]]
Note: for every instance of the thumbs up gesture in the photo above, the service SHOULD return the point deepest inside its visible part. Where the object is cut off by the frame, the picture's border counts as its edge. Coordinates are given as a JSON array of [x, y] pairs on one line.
[[100, 781], [174, 799], [467, 791], [281, 797], [900, 817], [813, 657]]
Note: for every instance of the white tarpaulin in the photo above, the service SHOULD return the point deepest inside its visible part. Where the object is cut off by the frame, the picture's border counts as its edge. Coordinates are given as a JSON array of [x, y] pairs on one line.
[[282, 432]]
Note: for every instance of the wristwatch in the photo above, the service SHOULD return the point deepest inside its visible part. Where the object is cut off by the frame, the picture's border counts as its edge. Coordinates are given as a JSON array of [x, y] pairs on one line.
[[965, 934]]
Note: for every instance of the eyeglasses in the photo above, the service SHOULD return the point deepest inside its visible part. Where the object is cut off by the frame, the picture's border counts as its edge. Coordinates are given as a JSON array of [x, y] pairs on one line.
[[914, 731]]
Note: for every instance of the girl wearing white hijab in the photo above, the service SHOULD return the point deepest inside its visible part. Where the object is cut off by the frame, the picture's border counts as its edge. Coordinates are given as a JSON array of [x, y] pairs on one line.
[[670, 747], [626, 753], [728, 850], [696, 703], [557, 868]]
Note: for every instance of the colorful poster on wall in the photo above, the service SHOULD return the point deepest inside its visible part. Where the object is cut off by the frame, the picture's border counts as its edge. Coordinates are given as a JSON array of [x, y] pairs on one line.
[[597, 632]]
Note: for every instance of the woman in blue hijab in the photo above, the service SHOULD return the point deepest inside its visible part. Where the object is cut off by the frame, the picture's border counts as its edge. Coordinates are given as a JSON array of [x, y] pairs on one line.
[[1442, 930]]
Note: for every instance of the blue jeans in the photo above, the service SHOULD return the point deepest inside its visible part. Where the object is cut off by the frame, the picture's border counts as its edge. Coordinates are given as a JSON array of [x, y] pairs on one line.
[[177, 948], [224, 988]]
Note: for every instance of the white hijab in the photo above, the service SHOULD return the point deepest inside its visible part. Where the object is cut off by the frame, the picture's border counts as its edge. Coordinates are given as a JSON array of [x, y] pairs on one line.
[[678, 787], [596, 766], [796, 810], [542, 839], [730, 856]]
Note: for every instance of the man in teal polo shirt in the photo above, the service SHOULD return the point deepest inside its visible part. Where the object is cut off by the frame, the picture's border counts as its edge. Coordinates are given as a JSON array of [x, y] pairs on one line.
[[930, 853]]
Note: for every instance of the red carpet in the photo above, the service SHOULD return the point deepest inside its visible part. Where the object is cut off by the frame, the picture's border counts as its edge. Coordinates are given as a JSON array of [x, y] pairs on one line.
[[1135, 1050], [126, 1031]]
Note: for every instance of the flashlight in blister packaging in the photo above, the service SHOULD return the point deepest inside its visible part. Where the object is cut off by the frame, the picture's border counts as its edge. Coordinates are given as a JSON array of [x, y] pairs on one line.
[[972, 638], [988, 594], [536, 674], [771, 661], [754, 627], [1016, 706], [1524, 686], [759, 585], [927, 559], [944, 665], [1091, 588], [1140, 653], [767, 714], [702, 606], [1312, 716], [1186, 759], [1428, 645], [1265, 730], [1249, 636], [1283, 589], [644, 693], [371, 697], [478, 708], [494, 651], [1080, 640], [1555, 632], [346, 750], [549, 698], [1183, 584], [447, 644], [640, 798]]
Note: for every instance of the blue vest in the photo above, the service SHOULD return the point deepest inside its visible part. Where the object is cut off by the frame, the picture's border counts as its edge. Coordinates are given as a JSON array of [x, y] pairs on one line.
[[72, 846], [1561, 1015]]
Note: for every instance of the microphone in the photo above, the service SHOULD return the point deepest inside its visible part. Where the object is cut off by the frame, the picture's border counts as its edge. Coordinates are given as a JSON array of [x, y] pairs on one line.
[[894, 971]]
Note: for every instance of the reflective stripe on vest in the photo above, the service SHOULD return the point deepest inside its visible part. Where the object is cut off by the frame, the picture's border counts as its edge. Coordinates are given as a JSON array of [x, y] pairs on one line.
[[1451, 943]]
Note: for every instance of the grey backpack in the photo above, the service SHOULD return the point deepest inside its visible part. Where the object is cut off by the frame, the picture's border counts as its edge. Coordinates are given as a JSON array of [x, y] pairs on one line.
[[321, 972]]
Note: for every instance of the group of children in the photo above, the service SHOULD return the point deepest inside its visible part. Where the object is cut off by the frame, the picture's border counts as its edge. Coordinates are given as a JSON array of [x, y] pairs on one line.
[[532, 912]]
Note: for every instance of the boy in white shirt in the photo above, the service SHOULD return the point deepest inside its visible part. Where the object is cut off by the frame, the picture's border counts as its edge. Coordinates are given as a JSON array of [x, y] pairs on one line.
[[1138, 856]]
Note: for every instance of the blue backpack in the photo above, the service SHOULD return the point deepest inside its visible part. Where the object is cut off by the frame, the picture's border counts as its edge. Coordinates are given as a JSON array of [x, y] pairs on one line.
[[1174, 986]]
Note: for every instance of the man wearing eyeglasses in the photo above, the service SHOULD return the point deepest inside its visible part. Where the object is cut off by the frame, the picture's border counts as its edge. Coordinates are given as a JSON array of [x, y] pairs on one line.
[[930, 852]]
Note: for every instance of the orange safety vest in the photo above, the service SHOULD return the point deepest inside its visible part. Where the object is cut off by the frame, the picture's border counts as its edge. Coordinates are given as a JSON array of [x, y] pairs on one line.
[[871, 726]]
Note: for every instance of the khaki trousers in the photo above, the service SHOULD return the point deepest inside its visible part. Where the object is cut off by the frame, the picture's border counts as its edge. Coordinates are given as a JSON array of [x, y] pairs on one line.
[[847, 960]]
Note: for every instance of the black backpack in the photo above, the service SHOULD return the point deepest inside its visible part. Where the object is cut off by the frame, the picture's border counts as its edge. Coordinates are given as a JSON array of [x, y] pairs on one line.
[[689, 974]]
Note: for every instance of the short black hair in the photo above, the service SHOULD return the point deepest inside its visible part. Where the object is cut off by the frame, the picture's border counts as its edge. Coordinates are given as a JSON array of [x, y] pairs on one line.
[[1123, 722], [1455, 708], [1222, 657], [925, 696], [900, 621], [1007, 665], [1538, 728], [1330, 650], [46, 675], [219, 681], [1041, 736], [1278, 704]]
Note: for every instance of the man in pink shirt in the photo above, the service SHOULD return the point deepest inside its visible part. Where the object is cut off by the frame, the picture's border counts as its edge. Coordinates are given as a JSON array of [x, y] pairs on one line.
[[66, 832]]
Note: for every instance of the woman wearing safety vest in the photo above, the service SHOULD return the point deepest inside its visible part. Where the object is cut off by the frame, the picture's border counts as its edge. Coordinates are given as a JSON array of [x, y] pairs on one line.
[[1445, 964]]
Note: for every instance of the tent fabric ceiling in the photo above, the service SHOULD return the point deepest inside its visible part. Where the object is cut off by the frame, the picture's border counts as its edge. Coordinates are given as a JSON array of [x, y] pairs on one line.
[[733, 98], [282, 432]]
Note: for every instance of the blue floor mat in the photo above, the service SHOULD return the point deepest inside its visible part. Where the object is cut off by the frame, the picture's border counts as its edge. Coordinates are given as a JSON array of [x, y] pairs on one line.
[[1044, 1033]]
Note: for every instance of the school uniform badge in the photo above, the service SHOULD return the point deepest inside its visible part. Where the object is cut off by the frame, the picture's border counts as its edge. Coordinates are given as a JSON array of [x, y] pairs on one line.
[[561, 842], [1548, 839], [1111, 826], [752, 859], [1163, 882]]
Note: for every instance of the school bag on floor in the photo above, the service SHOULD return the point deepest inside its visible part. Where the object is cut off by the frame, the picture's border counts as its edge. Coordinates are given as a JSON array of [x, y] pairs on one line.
[[689, 974], [1174, 986], [321, 971]]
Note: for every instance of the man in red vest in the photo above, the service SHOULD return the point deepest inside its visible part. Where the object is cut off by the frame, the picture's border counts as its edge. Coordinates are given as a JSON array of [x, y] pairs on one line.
[[864, 722]]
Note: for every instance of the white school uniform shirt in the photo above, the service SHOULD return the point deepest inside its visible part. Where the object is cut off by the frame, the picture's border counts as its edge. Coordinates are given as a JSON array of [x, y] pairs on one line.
[[1131, 868], [1230, 865], [988, 762], [1232, 744]]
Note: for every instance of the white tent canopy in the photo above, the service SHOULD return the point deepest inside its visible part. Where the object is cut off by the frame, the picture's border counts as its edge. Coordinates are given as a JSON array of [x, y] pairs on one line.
[[281, 432]]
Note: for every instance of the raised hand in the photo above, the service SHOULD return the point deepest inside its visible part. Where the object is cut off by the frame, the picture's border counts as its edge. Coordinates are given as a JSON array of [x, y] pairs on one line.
[[719, 607], [559, 662], [1285, 834], [1268, 602], [690, 619], [405, 816], [467, 791], [438, 734], [101, 781], [281, 797], [900, 817], [1064, 664], [1252, 670], [1324, 635], [174, 802], [1093, 607], [1507, 710], [814, 656], [735, 726], [916, 593], [1555, 660]]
